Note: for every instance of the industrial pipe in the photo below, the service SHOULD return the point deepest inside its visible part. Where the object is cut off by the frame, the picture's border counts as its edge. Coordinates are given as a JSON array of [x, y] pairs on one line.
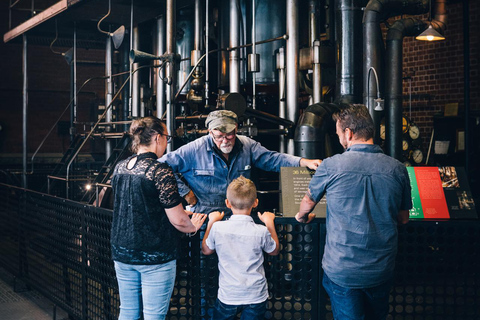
[[349, 65], [234, 59], [292, 86], [170, 72], [393, 78]]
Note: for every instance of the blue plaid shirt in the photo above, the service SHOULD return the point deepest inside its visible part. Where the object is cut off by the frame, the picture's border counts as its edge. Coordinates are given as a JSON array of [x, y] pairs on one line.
[[365, 190]]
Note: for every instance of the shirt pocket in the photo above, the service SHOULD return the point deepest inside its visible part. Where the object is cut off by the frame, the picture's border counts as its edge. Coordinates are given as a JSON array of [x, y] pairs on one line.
[[204, 179], [245, 171]]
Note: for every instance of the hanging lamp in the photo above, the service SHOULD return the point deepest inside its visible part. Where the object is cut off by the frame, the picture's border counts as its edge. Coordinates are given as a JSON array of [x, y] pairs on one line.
[[430, 34]]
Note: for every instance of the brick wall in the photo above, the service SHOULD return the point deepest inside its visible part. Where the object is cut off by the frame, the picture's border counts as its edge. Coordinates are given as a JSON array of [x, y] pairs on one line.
[[436, 70]]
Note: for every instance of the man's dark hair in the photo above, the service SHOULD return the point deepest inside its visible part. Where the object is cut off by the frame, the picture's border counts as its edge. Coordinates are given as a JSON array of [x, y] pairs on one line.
[[357, 118]]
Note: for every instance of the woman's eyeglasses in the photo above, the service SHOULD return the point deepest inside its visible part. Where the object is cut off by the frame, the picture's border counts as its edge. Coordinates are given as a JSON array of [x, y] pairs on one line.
[[169, 138]]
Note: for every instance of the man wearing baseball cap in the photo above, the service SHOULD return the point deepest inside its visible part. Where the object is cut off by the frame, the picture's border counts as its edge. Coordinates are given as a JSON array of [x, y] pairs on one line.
[[209, 163]]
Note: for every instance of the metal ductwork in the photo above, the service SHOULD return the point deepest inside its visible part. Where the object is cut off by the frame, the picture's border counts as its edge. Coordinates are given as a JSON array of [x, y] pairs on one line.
[[315, 136]]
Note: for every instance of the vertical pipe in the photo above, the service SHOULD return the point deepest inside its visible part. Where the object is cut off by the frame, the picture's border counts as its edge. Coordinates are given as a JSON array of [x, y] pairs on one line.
[[315, 43], [130, 99], [108, 93], [198, 43], [292, 66], [160, 73], [207, 30], [74, 84], [254, 55], [126, 88], [135, 80], [234, 62], [24, 111], [466, 74], [281, 92], [170, 72], [317, 74], [349, 43]]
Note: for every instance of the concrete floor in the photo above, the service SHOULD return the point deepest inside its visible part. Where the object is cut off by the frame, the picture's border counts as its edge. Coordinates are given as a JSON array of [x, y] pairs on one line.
[[24, 304]]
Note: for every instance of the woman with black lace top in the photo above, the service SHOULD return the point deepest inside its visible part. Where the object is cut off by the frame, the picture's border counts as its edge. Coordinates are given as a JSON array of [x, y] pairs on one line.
[[147, 218]]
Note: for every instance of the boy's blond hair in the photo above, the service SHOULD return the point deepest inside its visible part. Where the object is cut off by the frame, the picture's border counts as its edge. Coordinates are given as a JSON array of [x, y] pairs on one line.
[[241, 193]]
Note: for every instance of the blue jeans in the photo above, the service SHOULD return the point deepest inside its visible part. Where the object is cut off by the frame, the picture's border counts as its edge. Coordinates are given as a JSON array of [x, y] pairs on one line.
[[254, 311], [145, 288], [358, 304]]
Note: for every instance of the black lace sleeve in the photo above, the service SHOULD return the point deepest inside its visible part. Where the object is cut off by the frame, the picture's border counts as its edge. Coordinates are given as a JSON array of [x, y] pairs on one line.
[[166, 184]]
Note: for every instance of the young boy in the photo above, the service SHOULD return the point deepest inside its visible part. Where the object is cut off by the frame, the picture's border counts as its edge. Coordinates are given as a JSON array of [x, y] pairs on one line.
[[239, 243]]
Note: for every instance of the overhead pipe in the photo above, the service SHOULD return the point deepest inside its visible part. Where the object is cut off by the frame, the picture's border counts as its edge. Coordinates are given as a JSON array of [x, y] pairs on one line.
[[234, 57], [393, 78], [349, 37], [292, 85]]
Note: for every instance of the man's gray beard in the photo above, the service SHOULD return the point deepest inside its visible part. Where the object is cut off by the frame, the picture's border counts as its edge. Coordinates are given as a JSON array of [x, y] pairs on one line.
[[226, 149]]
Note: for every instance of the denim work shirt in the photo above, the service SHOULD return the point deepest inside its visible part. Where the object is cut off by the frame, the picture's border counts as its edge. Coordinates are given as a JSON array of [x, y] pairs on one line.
[[365, 191], [208, 176]]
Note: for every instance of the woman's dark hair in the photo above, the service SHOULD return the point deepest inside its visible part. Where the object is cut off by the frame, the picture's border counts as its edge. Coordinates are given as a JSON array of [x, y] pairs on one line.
[[357, 118], [143, 129]]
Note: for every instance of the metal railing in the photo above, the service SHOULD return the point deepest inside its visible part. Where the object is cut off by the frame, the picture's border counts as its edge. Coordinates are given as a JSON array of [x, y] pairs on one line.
[[62, 249]]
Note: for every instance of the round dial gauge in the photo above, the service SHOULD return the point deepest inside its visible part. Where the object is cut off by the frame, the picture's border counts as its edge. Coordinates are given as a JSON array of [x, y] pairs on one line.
[[405, 124], [405, 145], [407, 164], [414, 132], [417, 156], [382, 129]]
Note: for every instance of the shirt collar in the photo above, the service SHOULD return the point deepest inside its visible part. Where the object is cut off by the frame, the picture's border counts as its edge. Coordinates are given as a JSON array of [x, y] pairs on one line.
[[147, 155], [370, 148], [241, 217]]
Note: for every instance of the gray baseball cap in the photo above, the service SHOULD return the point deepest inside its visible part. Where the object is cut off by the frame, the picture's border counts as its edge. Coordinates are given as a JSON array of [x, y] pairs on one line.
[[223, 120]]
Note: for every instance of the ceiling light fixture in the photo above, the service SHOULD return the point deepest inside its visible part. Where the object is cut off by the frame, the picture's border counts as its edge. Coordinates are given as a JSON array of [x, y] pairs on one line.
[[430, 34]]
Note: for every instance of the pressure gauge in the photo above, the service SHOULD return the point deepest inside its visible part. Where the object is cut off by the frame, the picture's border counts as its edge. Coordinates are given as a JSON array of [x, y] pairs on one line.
[[405, 145], [417, 156], [382, 129], [407, 164], [405, 124], [414, 131]]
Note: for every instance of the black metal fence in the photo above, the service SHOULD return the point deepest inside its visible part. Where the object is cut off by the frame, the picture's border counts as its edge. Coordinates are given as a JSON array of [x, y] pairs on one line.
[[61, 248]]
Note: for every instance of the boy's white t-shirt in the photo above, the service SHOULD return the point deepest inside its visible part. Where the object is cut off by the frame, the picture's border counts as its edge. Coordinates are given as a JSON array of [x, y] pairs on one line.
[[240, 243]]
